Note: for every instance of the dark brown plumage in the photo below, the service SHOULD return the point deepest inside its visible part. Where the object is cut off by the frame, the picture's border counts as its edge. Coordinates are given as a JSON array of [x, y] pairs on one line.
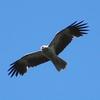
[[65, 36], [60, 41], [20, 66]]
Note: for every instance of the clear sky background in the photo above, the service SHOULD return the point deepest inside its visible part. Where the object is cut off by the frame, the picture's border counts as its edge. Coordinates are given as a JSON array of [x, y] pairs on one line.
[[25, 25]]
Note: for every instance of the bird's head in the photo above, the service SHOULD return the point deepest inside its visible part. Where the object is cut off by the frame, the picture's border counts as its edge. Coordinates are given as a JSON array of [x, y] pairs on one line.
[[44, 47]]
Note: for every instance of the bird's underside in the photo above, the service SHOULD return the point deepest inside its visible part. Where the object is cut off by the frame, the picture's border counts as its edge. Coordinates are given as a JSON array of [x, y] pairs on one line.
[[53, 57], [57, 45]]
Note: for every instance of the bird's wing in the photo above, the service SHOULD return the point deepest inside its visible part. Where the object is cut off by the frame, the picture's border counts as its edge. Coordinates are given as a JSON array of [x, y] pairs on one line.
[[20, 66], [64, 37]]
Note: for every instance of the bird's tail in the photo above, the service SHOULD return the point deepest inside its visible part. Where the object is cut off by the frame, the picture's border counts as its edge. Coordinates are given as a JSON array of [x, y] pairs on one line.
[[59, 63]]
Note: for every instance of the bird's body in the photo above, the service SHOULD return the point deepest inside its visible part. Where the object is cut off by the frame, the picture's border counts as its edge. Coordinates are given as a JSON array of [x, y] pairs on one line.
[[52, 56], [50, 52]]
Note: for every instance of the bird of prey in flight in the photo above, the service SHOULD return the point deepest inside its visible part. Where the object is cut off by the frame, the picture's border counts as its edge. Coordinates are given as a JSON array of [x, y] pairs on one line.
[[49, 52]]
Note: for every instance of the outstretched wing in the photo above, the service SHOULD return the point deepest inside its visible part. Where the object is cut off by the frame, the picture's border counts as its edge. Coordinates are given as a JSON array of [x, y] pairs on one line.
[[20, 66], [64, 37]]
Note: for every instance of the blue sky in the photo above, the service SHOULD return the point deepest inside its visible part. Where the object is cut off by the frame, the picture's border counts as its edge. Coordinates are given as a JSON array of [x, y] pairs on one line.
[[25, 25]]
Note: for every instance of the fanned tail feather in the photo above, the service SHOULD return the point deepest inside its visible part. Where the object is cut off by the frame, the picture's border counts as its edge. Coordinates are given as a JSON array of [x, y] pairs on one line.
[[59, 63]]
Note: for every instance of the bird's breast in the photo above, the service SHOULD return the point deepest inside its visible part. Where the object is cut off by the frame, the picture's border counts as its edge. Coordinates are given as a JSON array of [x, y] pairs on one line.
[[49, 53]]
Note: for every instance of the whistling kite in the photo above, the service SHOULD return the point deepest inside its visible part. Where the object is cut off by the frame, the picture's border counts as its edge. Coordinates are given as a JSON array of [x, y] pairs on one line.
[[50, 52]]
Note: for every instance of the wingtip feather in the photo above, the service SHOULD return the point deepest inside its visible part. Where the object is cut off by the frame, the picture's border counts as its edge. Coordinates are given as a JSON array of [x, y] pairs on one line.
[[78, 28]]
